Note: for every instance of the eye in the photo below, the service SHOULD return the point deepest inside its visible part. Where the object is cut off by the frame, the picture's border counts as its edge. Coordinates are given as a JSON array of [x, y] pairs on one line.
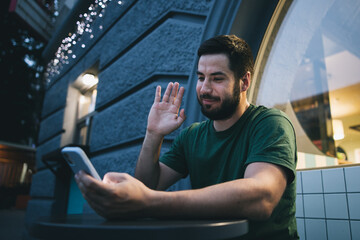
[[201, 79], [218, 79]]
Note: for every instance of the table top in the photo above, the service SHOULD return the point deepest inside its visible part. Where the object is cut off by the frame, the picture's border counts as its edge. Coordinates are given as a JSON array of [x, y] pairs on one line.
[[91, 226]]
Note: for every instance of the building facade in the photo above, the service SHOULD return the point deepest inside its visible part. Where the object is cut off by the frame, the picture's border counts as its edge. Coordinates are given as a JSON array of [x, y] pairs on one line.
[[102, 78]]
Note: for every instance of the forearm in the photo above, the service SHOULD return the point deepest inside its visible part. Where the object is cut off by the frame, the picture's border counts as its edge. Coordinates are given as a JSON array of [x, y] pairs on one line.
[[244, 198], [120, 195], [164, 117], [147, 168]]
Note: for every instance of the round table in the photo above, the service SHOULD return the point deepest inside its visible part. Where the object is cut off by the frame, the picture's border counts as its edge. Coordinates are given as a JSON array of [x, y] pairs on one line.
[[91, 226]]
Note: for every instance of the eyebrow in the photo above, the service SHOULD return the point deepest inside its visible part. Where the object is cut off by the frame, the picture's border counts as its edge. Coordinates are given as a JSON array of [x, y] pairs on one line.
[[212, 74]]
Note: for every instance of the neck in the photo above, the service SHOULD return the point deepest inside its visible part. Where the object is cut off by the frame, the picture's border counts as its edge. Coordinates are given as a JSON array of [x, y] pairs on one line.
[[222, 125]]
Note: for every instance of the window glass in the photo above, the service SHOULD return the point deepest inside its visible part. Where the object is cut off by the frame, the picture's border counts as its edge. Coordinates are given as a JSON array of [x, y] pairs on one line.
[[313, 74]]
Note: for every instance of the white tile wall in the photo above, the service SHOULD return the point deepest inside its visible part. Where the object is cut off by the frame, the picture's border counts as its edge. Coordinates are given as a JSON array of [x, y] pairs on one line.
[[338, 230], [298, 182], [336, 206], [328, 203], [301, 227], [315, 229], [299, 206], [333, 180], [352, 176], [354, 205], [312, 181], [314, 206], [355, 229]]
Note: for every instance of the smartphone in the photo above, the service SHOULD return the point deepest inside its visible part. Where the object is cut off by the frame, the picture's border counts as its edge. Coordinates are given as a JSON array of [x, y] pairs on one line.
[[77, 160]]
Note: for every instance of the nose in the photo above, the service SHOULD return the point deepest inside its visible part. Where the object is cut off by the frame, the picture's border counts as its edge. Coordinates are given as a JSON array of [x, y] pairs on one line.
[[205, 87]]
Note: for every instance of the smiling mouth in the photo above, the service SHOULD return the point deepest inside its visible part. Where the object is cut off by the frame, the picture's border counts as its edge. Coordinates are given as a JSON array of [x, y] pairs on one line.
[[209, 98], [207, 101]]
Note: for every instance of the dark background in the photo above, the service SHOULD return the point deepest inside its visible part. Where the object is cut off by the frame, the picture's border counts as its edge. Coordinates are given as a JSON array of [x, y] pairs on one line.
[[21, 82]]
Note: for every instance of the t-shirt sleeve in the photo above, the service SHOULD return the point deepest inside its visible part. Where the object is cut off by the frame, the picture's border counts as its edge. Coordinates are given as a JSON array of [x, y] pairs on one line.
[[273, 141], [175, 157]]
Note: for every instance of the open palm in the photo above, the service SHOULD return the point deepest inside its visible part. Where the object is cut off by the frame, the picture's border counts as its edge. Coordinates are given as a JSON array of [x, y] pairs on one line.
[[164, 116]]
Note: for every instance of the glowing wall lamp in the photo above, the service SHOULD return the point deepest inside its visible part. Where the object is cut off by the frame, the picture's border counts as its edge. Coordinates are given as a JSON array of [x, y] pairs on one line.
[[338, 129], [89, 80]]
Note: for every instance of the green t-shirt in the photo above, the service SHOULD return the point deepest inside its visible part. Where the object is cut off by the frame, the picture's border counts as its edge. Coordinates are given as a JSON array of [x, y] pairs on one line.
[[260, 135]]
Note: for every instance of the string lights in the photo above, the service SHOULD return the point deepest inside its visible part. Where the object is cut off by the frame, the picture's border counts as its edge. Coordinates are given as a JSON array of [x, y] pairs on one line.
[[83, 26]]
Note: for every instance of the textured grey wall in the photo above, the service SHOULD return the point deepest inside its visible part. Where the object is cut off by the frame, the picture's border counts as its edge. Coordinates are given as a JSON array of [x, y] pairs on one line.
[[134, 67]]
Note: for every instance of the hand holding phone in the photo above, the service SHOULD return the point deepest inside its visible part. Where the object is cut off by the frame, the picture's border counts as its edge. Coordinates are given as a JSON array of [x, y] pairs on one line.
[[77, 160]]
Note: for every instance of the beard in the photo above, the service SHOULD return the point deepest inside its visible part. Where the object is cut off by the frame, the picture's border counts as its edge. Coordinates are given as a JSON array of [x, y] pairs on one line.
[[227, 107]]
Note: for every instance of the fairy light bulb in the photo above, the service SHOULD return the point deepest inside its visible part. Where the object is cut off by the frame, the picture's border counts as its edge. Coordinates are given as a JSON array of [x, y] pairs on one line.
[[84, 25]]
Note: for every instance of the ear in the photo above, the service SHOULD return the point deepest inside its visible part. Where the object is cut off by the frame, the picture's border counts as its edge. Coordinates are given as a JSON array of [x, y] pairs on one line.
[[246, 80]]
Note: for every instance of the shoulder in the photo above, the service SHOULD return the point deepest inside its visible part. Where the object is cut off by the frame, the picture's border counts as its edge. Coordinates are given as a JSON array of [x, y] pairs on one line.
[[262, 112], [263, 115], [273, 140], [271, 123]]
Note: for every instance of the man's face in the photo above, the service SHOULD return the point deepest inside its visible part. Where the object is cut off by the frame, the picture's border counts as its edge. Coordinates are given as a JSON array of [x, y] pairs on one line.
[[217, 90]]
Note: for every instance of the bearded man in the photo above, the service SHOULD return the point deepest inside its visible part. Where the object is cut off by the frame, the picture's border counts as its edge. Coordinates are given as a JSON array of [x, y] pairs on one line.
[[241, 161]]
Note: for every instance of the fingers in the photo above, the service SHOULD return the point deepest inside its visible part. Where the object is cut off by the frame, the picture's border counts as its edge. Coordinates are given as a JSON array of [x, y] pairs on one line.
[[89, 186], [99, 195], [157, 94], [179, 97], [181, 117], [95, 205], [174, 92], [167, 92], [114, 177]]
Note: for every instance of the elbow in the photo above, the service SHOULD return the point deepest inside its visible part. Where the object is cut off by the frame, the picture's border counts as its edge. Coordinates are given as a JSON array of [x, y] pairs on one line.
[[261, 213], [264, 205], [266, 211], [262, 209]]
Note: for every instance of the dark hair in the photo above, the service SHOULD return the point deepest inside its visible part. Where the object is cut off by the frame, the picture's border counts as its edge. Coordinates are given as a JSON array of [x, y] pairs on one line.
[[237, 50]]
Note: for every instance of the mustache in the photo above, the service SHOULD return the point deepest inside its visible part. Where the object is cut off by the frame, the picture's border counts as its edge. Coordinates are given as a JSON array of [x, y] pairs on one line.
[[209, 97]]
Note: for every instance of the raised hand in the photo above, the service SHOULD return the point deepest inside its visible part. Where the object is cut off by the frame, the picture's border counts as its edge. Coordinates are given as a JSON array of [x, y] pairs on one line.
[[164, 116]]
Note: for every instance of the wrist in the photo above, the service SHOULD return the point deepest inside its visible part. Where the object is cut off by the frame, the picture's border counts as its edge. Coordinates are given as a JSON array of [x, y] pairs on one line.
[[157, 204], [153, 136]]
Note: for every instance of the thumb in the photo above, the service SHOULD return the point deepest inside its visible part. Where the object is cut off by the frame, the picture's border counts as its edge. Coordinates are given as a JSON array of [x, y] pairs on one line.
[[114, 177], [181, 118]]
